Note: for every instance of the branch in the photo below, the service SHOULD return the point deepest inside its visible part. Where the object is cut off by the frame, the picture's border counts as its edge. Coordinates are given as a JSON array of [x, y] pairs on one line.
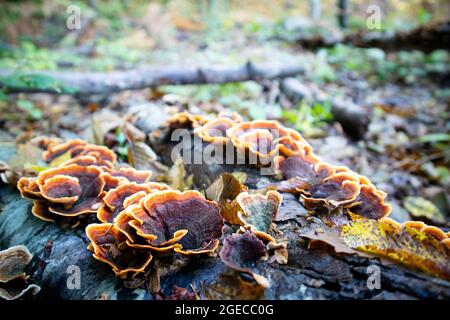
[[108, 82], [353, 118], [426, 38]]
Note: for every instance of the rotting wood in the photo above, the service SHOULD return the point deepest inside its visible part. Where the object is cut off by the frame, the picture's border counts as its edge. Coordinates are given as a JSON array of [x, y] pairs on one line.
[[309, 273], [109, 82]]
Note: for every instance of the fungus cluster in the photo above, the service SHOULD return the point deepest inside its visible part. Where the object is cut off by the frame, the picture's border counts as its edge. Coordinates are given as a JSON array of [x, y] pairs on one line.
[[319, 183], [154, 220], [75, 188]]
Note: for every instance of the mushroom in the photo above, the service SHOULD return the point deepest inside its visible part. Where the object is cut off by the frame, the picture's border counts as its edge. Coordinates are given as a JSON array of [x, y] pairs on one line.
[[369, 203], [264, 140], [114, 199], [183, 221], [215, 131], [69, 191], [109, 246], [81, 153]]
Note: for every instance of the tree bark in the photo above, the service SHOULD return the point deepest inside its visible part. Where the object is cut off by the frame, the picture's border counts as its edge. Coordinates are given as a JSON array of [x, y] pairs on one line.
[[109, 82]]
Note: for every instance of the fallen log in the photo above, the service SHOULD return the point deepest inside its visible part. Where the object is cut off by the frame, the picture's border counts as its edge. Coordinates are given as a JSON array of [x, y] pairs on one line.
[[425, 38], [309, 274], [353, 118], [108, 82]]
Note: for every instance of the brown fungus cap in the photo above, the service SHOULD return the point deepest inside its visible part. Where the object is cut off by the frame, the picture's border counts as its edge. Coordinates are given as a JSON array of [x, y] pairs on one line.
[[62, 194], [186, 219], [370, 203], [81, 153], [109, 246], [56, 150], [131, 174], [267, 139], [241, 252], [114, 200], [186, 120], [29, 188], [337, 189], [87, 183], [302, 172], [215, 131]]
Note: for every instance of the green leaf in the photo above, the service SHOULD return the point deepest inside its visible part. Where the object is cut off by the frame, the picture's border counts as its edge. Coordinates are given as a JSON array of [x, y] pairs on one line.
[[32, 111], [435, 137]]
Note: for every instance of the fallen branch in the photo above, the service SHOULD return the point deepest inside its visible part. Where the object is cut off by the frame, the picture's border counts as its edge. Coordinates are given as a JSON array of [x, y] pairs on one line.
[[425, 38], [108, 82], [352, 117]]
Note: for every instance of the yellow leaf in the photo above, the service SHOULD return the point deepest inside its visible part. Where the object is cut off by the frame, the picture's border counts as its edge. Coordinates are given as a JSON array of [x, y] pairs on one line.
[[61, 159], [413, 243]]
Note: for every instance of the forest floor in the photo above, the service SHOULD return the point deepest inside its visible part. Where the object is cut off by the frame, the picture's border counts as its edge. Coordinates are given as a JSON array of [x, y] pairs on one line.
[[404, 149]]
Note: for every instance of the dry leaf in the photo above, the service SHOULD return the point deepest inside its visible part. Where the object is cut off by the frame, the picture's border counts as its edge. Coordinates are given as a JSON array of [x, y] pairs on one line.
[[413, 243], [224, 191], [421, 208]]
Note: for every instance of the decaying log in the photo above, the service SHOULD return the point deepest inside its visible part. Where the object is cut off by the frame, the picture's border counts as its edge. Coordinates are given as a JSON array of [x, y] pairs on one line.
[[425, 38], [108, 82], [353, 118], [309, 273]]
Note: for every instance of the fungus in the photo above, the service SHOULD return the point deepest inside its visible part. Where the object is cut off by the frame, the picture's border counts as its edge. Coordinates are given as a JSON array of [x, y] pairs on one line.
[[258, 211], [241, 252], [83, 183], [183, 221], [13, 279], [186, 120], [215, 131], [56, 150], [114, 199], [64, 192], [81, 153], [337, 189], [370, 203], [109, 246], [131, 174], [267, 139]]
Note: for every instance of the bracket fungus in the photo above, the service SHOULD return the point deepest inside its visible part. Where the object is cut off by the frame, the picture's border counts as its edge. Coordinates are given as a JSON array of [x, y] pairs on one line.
[[69, 191], [183, 221], [215, 131], [114, 199], [14, 283], [257, 212], [82, 153], [242, 251], [264, 140], [154, 220], [109, 246], [186, 120]]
